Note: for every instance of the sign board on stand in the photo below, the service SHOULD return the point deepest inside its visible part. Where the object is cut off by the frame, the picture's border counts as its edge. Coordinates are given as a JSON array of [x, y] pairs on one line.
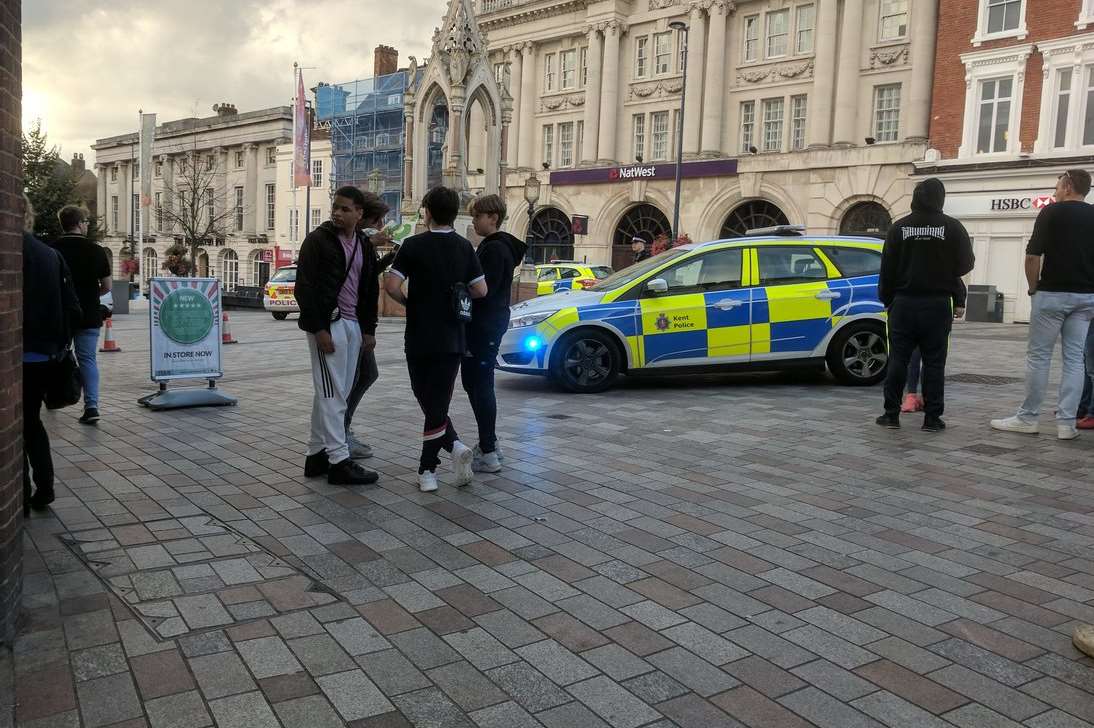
[[185, 333]]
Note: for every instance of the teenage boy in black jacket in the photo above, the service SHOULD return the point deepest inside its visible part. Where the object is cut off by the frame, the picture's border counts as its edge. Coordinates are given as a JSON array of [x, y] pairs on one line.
[[337, 289], [499, 254], [925, 255]]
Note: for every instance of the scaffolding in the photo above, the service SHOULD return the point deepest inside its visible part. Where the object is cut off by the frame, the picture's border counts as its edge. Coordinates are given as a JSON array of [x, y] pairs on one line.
[[365, 119]]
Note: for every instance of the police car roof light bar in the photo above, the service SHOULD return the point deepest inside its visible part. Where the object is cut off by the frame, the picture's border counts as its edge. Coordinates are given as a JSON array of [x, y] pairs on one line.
[[777, 230]]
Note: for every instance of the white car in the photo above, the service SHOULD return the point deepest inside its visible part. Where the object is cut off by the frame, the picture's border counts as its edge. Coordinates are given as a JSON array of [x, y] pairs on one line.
[[106, 302], [278, 297]]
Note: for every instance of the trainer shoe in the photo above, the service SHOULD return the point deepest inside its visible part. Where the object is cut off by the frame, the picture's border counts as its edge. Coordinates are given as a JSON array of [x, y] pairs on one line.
[[486, 462], [1083, 639], [90, 416], [910, 403], [1086, 423], [42, 498], [316, 465], [358, 450], [348, 472], [1066, 432], [1013, 424], [462, 456], [427, 481], [890, 421], [933, 424]]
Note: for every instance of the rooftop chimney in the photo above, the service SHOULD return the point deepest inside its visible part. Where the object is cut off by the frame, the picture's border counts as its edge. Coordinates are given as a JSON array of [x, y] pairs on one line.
[[78, 165], [385, 60]]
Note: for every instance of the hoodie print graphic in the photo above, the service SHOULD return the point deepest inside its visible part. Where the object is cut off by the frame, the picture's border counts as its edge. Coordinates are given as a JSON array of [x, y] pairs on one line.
[[938, 232]]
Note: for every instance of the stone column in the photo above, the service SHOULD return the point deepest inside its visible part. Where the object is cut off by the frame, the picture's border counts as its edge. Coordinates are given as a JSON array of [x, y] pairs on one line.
[[168, 199], [220, 154], [516, 82], [609, 94], [102, 203], [592, 96], [525, 132], [714, 93], [455, 162], [693, 104], [918, 119], [408, 157], [824, 74], [252, 213], [847, 78], [125, 216]]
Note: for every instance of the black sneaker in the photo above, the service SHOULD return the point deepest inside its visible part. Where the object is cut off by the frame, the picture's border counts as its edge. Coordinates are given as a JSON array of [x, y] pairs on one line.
[[933, 424], [890, 421], [348, 472], [316, 465], [91, 416], [42, 498]]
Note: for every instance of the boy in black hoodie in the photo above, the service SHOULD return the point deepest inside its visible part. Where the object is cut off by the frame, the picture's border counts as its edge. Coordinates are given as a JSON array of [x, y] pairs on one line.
[[499, 254], [925, 255]]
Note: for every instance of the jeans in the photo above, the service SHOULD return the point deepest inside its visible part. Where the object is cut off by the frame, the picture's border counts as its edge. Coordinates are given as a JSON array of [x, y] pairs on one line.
[[87, 342], [36, 455], [367, 374], [923, 323], [1056, 315]]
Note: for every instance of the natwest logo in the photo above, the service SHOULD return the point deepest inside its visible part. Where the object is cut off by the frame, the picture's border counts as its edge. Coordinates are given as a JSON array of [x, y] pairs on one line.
[[632, 172]]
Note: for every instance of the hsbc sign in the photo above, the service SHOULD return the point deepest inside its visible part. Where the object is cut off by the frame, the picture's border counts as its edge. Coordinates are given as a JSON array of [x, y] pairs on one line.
[[1007, 204]]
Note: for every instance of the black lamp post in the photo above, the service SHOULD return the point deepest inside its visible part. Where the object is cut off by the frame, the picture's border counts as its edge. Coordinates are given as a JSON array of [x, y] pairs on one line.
[[682, 27], [531, 196]]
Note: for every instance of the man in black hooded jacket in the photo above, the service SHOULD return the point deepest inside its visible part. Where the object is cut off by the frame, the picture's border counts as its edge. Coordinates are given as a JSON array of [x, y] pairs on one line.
[[925, 255], [499, 254]]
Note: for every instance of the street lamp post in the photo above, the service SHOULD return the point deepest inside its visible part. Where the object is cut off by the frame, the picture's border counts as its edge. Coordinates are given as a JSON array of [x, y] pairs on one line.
[[682, 27], [531, 196]]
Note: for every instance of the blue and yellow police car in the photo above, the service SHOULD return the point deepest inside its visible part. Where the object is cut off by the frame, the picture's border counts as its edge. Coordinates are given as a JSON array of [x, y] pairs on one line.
[[771, 300]]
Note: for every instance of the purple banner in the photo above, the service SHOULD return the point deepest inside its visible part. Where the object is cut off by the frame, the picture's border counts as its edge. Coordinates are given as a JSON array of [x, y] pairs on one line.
[[627, 173]]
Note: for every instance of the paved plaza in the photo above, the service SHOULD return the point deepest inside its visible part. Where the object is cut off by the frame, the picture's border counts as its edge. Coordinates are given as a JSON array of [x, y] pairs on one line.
[[722, 551]]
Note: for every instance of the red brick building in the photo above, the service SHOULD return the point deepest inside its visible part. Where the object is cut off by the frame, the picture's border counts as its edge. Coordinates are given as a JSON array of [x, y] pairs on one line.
[[1012, 107]]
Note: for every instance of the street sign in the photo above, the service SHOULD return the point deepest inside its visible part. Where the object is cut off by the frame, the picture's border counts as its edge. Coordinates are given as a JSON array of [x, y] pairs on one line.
[[185, 328]]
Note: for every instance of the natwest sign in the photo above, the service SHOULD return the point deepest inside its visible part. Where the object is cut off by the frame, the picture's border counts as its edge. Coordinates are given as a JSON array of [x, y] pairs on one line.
[[602, 175], [635, 172], [1006, 204]]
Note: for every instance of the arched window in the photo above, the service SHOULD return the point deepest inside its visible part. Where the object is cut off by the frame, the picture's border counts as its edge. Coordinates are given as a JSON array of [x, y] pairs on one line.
[[203, 264], [750, 216], [551, 236], [150, 266], [229, 270], [644, 221], [866, 219]]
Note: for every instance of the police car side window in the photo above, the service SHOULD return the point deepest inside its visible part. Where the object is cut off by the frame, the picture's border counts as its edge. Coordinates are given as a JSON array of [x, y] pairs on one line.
[[719, 270], [854, 262], [548, 274], [570, 273], [783, 265]]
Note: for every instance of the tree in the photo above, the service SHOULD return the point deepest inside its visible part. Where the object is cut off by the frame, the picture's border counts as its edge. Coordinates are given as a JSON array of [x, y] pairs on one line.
[[49, 182], [194, 204]]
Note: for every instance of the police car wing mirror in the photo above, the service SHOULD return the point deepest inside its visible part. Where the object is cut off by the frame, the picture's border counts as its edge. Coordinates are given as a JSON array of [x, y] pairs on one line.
[[657, 285]]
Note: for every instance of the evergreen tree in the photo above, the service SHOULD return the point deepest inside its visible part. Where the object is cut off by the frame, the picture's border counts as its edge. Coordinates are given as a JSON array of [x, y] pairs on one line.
[[49, 182]]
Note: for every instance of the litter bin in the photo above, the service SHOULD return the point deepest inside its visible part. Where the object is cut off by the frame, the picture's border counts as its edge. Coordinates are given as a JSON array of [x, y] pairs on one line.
[[120, 292], [984, 303]]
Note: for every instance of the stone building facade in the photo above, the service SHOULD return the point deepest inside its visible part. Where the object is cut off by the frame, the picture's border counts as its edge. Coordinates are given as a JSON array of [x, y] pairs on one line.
[[242, 150], [1013, 107], [816, 108], [299, 212]]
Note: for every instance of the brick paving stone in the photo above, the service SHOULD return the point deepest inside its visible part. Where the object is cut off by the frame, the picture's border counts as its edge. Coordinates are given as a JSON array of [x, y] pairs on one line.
[[825, 711], [571, 715], [841, 625], [691, 711], [468, 600], [268, 656], [357, 636], [616, 662], [161, 673], [286, 687], [249, 710], [756, 710], [974, 715], [700, 640], [764, 676], [108, 700], [993, 640], [527, 686], [607, 591], [183, 710], [444, 620], [392, 672], [912, 608], [696, 673], [98, 662], [664, 593], [570, 632], [900, 626], [1056, 719], [638, 638], [90, 629], [893, 710], [653, 615], [321, 655], [1074, 673], [221, 674], [556, 662], [524, 603], [481, 649], [1063, 696], [827, 645], [505, 715], [508, 628], [313, 710], [204, 643], [388, 617], [353, 695], [990, 693], [430, 708], [925, 693], [43, 693], [466, 686], [655, 687], [613, 703], [713, 618], [425, 649], [770, 646], [834, 680], [988, 663]]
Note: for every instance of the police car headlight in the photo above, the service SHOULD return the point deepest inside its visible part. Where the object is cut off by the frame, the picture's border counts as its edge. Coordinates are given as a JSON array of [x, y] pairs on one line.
[[530, 319]]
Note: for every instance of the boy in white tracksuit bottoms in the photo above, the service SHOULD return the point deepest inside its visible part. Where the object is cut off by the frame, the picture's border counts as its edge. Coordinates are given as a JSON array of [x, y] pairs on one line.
[[337, 289]]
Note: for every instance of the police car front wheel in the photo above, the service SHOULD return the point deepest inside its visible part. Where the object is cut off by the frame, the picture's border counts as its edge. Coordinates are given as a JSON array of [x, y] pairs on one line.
[[586, 362], [858, 355]]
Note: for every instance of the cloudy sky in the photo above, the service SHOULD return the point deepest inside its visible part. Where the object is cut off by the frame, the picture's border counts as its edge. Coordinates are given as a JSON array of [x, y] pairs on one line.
[[89, 66]]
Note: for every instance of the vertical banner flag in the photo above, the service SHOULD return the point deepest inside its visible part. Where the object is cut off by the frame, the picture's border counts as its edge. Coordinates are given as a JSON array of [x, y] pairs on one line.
[[148, 136], [301, 136]]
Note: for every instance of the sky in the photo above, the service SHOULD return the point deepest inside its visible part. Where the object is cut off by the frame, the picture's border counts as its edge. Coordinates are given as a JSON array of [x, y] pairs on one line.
[[89, 66]]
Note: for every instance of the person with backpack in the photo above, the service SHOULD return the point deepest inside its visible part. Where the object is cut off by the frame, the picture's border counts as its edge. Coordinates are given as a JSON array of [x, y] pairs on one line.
[[442, 275], [499, 254]]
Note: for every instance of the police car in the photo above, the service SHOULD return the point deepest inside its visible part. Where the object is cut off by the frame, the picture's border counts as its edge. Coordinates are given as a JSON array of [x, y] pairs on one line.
[[566, 275], [771, 300], [279, 296]]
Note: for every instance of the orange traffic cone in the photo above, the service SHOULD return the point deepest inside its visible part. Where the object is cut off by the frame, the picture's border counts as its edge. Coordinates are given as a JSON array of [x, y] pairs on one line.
[[109, 344], [226, 331]]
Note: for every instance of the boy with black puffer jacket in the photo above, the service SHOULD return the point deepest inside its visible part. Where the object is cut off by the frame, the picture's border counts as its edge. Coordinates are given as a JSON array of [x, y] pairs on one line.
[[925, 255], [499, 254]]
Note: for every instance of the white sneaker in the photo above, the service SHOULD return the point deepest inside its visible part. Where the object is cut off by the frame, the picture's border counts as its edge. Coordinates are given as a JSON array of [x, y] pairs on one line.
[[1013, 424], [1066, 432], [486, 463], [427, 481], [358, 450], [462, 456]]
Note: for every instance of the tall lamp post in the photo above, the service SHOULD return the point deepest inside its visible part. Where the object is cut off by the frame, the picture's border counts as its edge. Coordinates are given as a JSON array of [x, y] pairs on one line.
[[531, 196], [682, 27]]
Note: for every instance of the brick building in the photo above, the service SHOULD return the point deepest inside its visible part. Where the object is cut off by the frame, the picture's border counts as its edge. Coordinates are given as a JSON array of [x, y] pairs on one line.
[[1012, 107], [11, 303]]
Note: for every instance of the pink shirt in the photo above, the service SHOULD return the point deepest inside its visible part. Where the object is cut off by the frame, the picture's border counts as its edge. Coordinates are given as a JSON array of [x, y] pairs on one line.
[[347, 297]]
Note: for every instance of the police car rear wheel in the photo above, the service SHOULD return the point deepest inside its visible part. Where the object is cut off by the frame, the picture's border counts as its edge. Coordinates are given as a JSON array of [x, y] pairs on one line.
[[280, 315], [586, 362], [858, 356]]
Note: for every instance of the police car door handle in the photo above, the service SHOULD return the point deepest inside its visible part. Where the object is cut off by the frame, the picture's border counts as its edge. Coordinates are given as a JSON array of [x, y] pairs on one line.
[[727, 303], [827, 295]]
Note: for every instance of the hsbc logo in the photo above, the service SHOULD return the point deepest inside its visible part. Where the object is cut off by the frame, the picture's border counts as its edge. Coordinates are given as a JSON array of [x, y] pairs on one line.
[[636, 172], [1042, 201]]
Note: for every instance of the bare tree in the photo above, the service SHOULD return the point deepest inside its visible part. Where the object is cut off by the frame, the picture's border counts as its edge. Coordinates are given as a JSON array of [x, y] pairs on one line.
[[195, 206]]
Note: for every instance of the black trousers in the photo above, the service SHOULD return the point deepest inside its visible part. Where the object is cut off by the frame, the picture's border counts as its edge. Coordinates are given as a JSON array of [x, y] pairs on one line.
[[36, 455], [477, 372], [432, 378], [922, 323], [367, 374]]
